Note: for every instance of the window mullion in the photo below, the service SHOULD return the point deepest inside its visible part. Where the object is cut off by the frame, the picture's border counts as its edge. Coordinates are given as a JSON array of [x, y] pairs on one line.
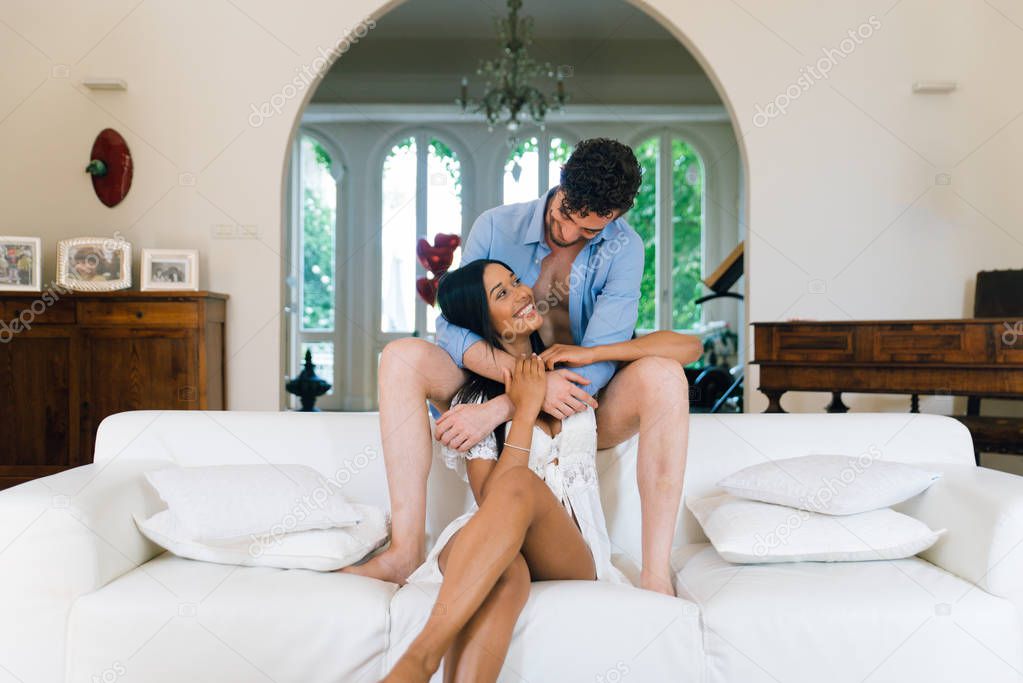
[[665, 233], [543, 159], [295, 294], [422, 183]]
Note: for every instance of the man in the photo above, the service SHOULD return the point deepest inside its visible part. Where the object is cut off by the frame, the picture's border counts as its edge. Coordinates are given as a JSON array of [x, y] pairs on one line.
[[584, 264]]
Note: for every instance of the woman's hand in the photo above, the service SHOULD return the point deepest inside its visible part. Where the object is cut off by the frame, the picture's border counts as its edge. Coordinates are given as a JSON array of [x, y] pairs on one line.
[[526, 386], [570, 355]]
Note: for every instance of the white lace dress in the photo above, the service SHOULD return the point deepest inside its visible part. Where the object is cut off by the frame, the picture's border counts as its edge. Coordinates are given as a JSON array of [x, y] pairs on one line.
[[566, 462]]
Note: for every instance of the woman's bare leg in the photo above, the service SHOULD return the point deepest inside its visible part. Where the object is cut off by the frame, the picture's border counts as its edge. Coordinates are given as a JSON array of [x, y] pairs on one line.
[[481, 646], [518, 504]]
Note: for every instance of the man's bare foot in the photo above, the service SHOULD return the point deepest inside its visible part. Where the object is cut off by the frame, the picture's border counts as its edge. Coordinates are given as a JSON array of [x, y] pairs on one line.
[[394, 565], [658, 582], [410, 669]]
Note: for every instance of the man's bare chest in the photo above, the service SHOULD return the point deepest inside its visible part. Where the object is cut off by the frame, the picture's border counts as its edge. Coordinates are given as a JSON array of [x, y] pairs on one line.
[[552, 284]]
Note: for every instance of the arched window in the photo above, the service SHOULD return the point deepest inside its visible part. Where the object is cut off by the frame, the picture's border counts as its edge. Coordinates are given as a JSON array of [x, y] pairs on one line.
[[527, 173], [443, 204], [421, 197], [318, 211], [668, 216], [397, 239]]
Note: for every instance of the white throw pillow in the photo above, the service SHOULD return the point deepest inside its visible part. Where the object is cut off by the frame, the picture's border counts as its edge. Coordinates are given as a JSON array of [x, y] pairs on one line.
[[749, 532], [232, 502], [830, 484], [320, 550]]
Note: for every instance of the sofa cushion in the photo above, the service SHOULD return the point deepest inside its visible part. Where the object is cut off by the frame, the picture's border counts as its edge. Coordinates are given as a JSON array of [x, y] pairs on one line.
[[722, 444], [174, 620], [224, 503], [583, 631], [898, 620], [831, 484], [316, 549], [751, 532]]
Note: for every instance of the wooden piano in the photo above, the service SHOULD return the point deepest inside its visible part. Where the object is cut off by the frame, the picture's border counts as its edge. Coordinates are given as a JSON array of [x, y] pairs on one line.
[[968, 357]]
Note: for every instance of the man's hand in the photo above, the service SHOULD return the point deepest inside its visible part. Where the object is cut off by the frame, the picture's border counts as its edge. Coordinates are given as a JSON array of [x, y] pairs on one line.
[[564, 395], [466, 424], [568, 354]]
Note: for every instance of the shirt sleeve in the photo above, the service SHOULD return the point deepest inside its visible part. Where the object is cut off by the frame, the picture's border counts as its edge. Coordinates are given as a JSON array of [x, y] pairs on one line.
[[452, 338], [616, 308]]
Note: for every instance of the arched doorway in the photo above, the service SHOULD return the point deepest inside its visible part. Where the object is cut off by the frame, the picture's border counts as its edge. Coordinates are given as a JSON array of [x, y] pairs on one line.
[[738, 209]]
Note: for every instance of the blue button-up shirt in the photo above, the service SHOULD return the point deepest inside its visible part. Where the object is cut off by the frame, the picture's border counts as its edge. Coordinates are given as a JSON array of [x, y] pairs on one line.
[[603, 301]]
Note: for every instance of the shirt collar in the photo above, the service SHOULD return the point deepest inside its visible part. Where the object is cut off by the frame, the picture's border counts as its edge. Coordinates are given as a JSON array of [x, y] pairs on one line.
[[535, 229]]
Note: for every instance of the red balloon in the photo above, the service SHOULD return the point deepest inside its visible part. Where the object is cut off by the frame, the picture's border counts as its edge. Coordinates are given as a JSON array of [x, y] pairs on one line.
[[436, 258], [427, 289], [447, 241]]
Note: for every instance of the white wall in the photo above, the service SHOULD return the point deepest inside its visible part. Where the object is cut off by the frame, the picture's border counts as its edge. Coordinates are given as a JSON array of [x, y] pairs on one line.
[[841, 188]]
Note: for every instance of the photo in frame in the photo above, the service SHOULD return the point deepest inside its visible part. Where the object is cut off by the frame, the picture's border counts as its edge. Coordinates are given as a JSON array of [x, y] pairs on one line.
[[94, 264], [21, 264], [169, 270]]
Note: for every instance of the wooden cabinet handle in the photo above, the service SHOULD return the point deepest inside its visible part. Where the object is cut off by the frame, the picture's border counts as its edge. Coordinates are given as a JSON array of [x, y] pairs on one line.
[[138, 314]]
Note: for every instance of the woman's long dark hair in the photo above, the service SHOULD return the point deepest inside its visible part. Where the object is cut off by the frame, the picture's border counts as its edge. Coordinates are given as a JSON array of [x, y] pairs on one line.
[[463, 302]]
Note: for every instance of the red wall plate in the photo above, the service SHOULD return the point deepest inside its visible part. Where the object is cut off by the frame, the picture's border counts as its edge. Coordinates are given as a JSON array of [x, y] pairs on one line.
[[112, 150]]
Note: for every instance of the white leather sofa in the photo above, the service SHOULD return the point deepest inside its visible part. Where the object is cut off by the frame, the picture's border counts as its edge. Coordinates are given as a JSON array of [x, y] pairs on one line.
[[84, 597]]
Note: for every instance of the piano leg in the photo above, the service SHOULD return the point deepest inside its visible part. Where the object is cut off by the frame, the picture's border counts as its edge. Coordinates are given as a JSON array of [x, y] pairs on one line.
[[836, 405], [774, 400], [973, 405]]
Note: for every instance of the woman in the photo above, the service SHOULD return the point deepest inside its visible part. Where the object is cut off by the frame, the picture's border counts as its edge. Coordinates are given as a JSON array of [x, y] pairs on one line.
[[538, 514]]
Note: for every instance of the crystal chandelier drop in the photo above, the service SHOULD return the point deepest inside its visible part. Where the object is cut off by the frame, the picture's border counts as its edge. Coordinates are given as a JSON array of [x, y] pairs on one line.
[[510, 94]]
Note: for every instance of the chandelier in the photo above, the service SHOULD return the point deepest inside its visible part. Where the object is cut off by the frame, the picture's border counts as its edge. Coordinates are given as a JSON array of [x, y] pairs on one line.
[[510, 94]]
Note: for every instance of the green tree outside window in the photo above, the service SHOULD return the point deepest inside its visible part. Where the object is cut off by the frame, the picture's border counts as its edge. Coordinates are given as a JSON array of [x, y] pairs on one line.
[[687, 222], [319, 221]]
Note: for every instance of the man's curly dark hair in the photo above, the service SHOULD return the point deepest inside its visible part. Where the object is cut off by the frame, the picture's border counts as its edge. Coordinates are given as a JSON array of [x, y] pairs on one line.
[[602, 176]]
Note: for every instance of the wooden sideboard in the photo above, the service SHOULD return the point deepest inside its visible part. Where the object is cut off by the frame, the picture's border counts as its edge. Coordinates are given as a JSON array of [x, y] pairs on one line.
[[71, 359], [969, 357]]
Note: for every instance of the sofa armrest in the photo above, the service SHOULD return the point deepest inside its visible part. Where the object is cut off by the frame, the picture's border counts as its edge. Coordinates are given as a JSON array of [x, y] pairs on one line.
[[60, 537], [983, 512]]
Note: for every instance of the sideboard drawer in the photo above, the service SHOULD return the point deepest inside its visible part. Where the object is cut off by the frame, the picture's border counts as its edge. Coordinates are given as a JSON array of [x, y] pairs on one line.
[[140, 313], [44, 310]]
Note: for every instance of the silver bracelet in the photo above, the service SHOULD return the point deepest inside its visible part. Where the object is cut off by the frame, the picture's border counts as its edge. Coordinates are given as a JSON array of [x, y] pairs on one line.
[[511, 445]]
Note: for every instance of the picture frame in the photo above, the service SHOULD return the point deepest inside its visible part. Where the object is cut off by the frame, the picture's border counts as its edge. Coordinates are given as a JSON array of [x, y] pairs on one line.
[[94, 264], [21, 264], [170, 270]]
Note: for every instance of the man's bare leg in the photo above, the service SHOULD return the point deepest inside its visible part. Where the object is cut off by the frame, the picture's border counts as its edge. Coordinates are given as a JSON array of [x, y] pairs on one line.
[[412, 371], [651, 396]]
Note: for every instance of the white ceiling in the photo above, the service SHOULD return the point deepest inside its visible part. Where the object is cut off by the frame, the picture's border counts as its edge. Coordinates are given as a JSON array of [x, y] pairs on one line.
[[570, 19], [419, 51]]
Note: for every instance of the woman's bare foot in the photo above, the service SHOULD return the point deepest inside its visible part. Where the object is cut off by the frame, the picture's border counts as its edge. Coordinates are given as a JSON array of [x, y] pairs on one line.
[[658, 582], [394, 565]]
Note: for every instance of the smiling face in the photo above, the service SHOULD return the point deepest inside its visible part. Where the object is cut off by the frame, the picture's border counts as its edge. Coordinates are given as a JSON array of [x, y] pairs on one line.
[[512, 308], [565, 229]]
